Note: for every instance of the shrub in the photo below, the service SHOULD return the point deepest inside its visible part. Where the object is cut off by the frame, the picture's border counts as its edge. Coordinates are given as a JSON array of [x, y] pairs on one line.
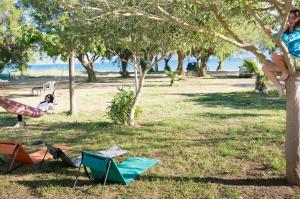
[[119, 109], [172, 75], [261, 80]]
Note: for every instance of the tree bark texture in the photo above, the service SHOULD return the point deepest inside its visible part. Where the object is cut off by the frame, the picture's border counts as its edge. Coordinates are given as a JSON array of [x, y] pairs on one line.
[[136, 99], [203, 65], [73, 107], [292, 143], [88, 67], [91, 73], [124, 72], [125, 56], [181, 56]]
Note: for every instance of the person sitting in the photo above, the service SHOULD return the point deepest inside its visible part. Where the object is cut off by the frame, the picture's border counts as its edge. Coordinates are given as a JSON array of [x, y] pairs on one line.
[[291, 38]]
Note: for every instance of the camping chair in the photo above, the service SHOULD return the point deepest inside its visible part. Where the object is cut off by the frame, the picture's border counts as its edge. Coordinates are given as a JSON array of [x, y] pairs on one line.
[[3, 87], [49, 86], [57, 152], [103, 169], [18, 154]]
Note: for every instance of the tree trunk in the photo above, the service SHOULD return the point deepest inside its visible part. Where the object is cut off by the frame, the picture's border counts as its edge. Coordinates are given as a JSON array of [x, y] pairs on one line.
[[135, 62], [88, 67], [156, 65], [181, 57], [167, 67], [260, 85], [124, 56], [124, 72], [203, 66], [292, 145], [220, 65], [73, 107], [136, 99], [91, 73], [172, 82]]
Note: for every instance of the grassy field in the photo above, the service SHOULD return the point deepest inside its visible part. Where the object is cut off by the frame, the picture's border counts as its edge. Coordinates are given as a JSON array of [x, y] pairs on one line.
[[214, 137]]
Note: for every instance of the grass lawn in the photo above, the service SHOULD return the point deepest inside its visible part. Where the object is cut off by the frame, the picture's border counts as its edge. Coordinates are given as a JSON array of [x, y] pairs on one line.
[[214, 137]]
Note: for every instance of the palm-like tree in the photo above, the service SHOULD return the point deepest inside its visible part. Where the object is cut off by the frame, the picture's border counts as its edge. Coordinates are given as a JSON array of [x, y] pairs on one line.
[[172, 75], [261, 80]]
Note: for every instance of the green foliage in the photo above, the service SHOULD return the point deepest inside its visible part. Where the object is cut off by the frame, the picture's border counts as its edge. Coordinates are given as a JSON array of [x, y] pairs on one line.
[[172, 75], [261, 80], [15, 37], [119, 109], [62, 32], [253, 67]]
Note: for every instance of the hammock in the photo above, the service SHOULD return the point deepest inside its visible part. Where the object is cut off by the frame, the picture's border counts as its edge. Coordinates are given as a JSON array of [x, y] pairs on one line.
[[19, 108]]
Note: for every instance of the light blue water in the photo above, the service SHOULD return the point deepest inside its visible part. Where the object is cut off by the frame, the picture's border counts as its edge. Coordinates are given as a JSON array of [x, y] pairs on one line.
[[231, 64]]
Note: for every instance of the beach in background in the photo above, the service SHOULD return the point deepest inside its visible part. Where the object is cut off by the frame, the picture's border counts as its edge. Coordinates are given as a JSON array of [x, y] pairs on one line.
[[231, 64]]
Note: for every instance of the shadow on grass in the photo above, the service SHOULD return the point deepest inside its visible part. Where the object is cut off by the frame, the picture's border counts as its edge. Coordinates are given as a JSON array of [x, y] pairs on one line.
[[265, 182], [229, 115], [49, 166], [7, 119], [240, 100], [79, 133], [92, 127], [160, 85], [34, 184], [232, 182]]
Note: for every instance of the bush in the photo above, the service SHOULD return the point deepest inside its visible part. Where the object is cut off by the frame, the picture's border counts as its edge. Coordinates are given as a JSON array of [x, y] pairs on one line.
[[172, 75], [119, 109]]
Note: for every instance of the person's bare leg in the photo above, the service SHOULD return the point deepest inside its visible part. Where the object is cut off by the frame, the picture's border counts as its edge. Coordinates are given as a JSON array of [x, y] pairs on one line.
[[269, 69], [278, 59]]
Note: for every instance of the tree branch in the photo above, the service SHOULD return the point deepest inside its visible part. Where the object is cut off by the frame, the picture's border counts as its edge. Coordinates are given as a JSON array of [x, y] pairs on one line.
[[284, 19], [224, 23], [87, 56], [262, 58], [281, 44], [122, 13]]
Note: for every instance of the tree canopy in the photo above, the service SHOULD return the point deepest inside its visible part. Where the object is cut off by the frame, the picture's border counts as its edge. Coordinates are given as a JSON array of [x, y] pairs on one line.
[[15, 40]]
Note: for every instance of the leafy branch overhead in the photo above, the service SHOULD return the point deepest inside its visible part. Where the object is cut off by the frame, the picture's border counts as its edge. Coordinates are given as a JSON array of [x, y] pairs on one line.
[[219, 19]]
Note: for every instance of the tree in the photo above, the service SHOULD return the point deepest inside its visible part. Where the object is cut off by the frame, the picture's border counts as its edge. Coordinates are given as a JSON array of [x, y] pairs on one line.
[[124, 55], [222, 52], [167, 59], [147, 42], [15, 40], [172, 75], [181, 56], [203, 16], [260, 82], [54, 21]]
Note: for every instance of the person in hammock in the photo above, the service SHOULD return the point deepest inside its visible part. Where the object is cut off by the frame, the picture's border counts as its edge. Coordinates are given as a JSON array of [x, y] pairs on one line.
[[25, 110], [43, 106]]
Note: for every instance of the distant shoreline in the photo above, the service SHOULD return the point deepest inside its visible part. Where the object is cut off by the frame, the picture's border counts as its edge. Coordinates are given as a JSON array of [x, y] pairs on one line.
[[231, 64]]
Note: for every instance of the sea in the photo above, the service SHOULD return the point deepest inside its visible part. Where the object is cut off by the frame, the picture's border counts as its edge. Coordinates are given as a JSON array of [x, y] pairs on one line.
[[231, 64]]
